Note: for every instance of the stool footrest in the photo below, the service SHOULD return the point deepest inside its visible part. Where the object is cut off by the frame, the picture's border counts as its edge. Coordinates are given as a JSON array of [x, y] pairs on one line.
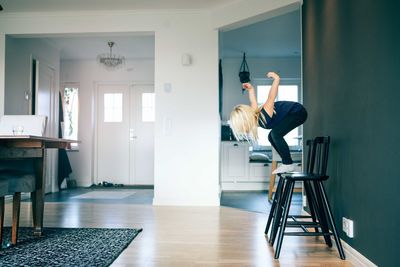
[[305, 224], [307, 234]]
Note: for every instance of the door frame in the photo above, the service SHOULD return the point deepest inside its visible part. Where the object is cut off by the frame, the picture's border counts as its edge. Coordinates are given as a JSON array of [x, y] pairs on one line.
[[51, 172], [95, 101]]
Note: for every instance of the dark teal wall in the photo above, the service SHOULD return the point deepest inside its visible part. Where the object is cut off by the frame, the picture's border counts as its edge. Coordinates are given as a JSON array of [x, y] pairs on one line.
[[351, 73]]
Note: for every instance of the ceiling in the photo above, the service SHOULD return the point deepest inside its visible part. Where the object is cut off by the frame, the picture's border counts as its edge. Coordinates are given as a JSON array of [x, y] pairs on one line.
[[88, 47], [106, 5], [276, 37]]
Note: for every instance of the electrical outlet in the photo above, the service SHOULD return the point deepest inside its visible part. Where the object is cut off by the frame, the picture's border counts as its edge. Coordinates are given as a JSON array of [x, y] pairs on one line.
[[348, 227], [344, 225]]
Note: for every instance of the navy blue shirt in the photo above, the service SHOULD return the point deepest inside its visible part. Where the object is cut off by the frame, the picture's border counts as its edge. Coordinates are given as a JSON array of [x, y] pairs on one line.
[[282, 109]]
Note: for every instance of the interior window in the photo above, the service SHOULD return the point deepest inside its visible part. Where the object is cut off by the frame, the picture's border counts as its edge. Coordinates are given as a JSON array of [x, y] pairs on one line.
[[148, 110], [288, 92]]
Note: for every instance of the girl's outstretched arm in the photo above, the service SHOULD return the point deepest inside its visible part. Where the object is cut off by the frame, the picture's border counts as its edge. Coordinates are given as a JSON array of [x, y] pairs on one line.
[[252, 94], [273, 92]]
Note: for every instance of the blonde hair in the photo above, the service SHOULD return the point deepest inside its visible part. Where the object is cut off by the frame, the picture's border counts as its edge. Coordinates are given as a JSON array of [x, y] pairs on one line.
[[244, 122]]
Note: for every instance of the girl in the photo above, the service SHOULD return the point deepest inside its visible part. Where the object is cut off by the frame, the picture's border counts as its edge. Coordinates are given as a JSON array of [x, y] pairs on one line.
[[280, 116]]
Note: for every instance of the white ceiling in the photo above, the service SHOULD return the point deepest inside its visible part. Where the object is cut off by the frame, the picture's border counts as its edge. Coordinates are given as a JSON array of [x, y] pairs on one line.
[[98, 5], [88, 47], [276, 37]]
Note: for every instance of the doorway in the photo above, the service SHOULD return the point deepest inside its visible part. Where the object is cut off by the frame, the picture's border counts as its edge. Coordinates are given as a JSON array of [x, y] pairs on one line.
[[275, 46], [124, 149]]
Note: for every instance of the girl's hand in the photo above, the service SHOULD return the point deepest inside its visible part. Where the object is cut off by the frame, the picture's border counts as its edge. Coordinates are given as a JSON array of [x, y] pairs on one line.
[[247, 86], [273, 75]]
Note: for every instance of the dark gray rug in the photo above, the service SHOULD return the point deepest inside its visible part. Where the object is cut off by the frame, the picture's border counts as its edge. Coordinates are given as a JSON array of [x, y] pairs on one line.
[[66, 247]]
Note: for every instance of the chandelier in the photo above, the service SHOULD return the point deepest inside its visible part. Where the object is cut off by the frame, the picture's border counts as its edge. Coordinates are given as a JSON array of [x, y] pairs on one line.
[[111, 61]]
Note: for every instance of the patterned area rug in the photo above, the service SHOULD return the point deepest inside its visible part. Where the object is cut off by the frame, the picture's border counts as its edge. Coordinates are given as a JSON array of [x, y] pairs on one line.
[[66, 247]]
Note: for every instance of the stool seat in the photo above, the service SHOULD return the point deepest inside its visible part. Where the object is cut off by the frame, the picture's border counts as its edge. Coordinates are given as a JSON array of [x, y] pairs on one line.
[[302, 176]]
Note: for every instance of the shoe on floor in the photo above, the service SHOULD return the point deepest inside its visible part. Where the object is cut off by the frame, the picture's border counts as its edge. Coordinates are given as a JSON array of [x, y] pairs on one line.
[[284, 168]]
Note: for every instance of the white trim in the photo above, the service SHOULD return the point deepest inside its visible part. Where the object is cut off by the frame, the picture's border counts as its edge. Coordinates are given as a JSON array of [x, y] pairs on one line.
[[157, 201], [355, 257], [352, 255]]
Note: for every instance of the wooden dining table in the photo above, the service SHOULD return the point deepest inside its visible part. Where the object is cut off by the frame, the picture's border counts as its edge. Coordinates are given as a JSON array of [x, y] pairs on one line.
[[33, 147]]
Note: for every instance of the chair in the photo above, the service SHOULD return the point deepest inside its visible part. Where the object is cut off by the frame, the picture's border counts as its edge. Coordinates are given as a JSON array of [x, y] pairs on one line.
[[19, 174], [321, 216], [3, 193], [275, 158]]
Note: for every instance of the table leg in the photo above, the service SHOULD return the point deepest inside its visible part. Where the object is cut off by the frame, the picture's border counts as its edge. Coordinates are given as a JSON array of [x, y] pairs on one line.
[[38, 196], [272, 180]]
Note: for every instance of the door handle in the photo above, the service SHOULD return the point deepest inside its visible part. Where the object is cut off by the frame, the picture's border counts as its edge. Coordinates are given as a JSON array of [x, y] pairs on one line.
[[131, 135]]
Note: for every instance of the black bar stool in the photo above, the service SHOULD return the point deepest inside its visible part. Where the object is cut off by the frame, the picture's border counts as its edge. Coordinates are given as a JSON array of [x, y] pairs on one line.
[[321, 215]]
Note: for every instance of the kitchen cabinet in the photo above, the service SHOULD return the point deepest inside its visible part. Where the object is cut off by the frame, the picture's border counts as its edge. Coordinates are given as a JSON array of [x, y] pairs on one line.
[[237, 173], [259, 172], [235, 157]]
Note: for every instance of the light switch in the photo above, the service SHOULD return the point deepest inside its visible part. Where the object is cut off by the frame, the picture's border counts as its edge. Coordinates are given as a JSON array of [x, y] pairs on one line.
[[167, 87]]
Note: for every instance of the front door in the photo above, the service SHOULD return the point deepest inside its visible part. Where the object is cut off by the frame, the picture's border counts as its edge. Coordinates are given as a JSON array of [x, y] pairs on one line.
[[125, 143]]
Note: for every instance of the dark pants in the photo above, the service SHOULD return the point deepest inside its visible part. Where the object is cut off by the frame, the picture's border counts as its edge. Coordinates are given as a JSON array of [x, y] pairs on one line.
[[277, 133]]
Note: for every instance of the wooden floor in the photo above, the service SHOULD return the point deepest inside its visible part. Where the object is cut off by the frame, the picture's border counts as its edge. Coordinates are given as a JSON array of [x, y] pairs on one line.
[[188, 236]]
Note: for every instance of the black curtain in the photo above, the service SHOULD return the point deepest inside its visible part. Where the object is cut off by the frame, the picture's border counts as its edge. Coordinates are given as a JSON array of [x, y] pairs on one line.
[[64, 166]]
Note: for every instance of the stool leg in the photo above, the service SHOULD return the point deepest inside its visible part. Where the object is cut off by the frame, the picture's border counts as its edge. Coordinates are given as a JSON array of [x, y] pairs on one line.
[[277, 195], [332, 222], [15, 217], [322, 214], [272, 179], [311, 202], [278, 212], [288, 200], [1, 220]]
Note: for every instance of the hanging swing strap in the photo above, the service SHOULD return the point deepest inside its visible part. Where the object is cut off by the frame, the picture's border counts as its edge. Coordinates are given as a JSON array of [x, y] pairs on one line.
[[244, 66]]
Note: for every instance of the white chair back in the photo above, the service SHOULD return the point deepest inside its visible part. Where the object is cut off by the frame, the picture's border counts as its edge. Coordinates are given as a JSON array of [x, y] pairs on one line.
[[28, 124]]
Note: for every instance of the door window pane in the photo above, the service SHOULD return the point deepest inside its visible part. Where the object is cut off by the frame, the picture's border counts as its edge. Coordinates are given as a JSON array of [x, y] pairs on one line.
[[113, 107], [148, 109]]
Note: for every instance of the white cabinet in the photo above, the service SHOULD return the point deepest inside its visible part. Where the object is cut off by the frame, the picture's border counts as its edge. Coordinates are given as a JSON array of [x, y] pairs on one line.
[[235, 157], [259, 172], [237, 173]]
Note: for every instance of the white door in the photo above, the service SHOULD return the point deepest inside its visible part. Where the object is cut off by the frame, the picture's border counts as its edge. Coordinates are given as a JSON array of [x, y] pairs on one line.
[[45, 105], [123, 139], [142, 134]]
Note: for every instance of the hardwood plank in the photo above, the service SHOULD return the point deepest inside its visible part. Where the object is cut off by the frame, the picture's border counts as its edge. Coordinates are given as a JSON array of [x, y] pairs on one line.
[[188, 236]]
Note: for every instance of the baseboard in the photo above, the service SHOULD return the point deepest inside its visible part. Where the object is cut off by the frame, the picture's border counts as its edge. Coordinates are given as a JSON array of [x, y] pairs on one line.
[[355, 257], [157, 201], [352, 255]]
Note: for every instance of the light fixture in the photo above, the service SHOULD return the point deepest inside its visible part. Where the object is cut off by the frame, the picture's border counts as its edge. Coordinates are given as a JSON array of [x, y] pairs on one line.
[[111, 61]]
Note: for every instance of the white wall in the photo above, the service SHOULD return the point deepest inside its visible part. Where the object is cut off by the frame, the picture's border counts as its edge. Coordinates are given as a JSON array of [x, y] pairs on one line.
[[232, 93], [86, 74], [187, 156]]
